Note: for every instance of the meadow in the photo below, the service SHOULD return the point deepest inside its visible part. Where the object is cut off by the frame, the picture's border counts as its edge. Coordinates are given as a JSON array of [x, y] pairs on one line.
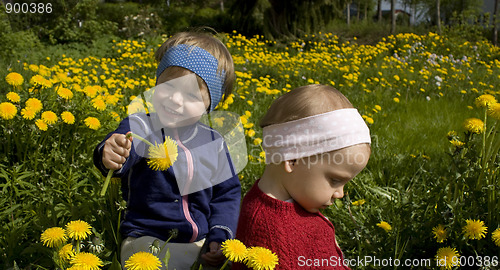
[[429, 195]]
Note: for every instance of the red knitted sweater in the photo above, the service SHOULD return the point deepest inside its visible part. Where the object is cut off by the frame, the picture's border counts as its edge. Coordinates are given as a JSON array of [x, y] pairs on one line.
[[302, 240]]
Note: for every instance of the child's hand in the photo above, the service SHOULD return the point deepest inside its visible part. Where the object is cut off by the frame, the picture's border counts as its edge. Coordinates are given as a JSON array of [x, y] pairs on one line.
[[214, 256], [116, 150]]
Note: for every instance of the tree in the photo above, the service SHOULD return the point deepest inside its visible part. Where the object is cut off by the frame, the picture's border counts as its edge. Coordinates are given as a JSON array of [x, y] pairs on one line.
[[379, 11], [438, 15]]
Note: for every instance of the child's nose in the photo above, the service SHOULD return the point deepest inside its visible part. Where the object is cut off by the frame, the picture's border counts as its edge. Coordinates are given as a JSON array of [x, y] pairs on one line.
[[338, 193], [177, 98]]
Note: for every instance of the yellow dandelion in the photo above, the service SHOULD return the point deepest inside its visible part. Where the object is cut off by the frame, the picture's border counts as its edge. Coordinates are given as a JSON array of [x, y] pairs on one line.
[[162, 156], [33, 68], [35, 104], [49, 117], [90, 91], [37, 80], [7, 110], [92, 123], [13, 97], [474, 125], [358, 202], [457, 143], [494, 111], [260, 258], [234, 250], [87, 261], [28, 113], [384, 225], [143, 261], [495, 236], [68, 117], [41, 125], [115, 116], [474, 229], [78, 229], [251, 133], [66, 252], [53, 237], [99, 104], [440, 233], [369, 120], [65, 93], [485, 100], [257, 141], [15, 79], [447, 257]]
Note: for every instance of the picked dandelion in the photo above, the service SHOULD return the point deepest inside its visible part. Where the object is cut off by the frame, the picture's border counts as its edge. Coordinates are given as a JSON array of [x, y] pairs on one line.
[[53, 237], [260, 258], [474, 229], [143, 261], [162, 156]]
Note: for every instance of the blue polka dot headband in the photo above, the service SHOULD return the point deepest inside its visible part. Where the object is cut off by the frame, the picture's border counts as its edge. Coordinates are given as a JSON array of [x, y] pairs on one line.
[[199, 61]]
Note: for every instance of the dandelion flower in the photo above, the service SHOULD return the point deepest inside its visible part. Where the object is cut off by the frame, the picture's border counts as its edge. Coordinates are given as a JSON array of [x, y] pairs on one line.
[[13, 97], [41, 125], [65, 93], [7, 110], [474, 125], [68, 117], [495, 236], [142, 261], [234, 250], [251, 133], [369, 120], [35, 104], [92, 123], [28, 113], [457, 143], [384, 225], [494, 111], [447, 257], [260, 258], [162, 156], [358, 202], [53, 237], [49, 117], [396, 100], [78, 229], [39, 80], [99, 104], [87, 261], [15, 79], [439, 233], [474, 229], [257, 141], [66, 252], [485, 100]]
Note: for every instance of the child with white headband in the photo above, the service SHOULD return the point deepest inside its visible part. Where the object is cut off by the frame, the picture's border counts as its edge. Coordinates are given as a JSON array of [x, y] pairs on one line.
[[195, 70], [315, 143]]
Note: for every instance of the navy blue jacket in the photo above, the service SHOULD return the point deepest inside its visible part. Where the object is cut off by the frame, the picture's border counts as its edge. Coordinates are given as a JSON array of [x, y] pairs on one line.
[[154, 204]]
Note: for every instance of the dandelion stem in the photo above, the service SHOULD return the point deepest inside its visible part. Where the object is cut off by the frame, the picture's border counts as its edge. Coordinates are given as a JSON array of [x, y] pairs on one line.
[[224, 265]]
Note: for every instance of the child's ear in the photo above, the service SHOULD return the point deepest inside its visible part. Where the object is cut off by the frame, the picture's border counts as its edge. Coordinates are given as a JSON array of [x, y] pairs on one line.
[[290, 165]]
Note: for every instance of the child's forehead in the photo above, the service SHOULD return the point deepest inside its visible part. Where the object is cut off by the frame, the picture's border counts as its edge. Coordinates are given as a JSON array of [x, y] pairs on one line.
[[174, 72]]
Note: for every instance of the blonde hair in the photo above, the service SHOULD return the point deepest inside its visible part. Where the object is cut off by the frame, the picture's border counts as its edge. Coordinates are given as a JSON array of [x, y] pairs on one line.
[[304, 101], [209, 43]]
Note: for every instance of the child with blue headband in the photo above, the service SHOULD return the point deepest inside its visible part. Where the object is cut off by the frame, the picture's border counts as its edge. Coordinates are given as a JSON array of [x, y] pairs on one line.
[[193, 190]]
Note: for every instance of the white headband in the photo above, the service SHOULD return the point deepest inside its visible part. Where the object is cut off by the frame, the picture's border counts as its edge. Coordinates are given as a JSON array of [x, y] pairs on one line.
[[314, 135]]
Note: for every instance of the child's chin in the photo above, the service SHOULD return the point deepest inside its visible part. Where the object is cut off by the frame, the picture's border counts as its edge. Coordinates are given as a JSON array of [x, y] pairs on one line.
[[179, 123]]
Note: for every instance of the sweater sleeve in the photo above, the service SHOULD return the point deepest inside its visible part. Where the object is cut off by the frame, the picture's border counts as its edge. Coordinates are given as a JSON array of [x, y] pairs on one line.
[[225, 204], [123, 128]]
